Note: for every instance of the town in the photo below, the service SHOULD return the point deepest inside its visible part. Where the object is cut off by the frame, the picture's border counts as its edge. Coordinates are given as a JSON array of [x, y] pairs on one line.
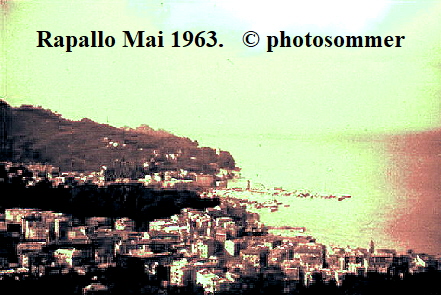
[[223, 249]]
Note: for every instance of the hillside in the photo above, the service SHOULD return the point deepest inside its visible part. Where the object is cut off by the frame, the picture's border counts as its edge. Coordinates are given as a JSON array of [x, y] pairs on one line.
[[34, 134]]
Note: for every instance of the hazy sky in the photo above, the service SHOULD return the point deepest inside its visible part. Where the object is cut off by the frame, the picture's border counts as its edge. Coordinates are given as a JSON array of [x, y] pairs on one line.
[[233, 89]]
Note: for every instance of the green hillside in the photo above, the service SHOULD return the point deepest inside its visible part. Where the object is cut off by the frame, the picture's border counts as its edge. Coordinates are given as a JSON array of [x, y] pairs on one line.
[[34, 134]]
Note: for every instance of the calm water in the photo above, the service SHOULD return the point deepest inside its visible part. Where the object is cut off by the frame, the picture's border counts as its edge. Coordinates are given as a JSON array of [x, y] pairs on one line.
[[394, 183]]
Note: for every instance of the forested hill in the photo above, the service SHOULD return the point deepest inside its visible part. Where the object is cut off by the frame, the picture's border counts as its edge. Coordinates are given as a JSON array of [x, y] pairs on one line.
[[34, 134]]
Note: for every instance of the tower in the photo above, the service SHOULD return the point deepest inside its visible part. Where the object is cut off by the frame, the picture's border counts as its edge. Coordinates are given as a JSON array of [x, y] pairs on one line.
[[372, 247]]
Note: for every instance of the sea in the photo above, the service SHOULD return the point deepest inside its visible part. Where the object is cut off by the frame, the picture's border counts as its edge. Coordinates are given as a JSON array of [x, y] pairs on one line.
[[394, 182]]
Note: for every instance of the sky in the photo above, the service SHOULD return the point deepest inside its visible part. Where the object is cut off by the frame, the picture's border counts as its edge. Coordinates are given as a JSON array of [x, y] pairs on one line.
[[236, 89]]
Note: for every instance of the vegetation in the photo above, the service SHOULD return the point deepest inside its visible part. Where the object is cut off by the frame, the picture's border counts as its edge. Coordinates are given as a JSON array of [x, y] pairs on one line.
[[34, 134]]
